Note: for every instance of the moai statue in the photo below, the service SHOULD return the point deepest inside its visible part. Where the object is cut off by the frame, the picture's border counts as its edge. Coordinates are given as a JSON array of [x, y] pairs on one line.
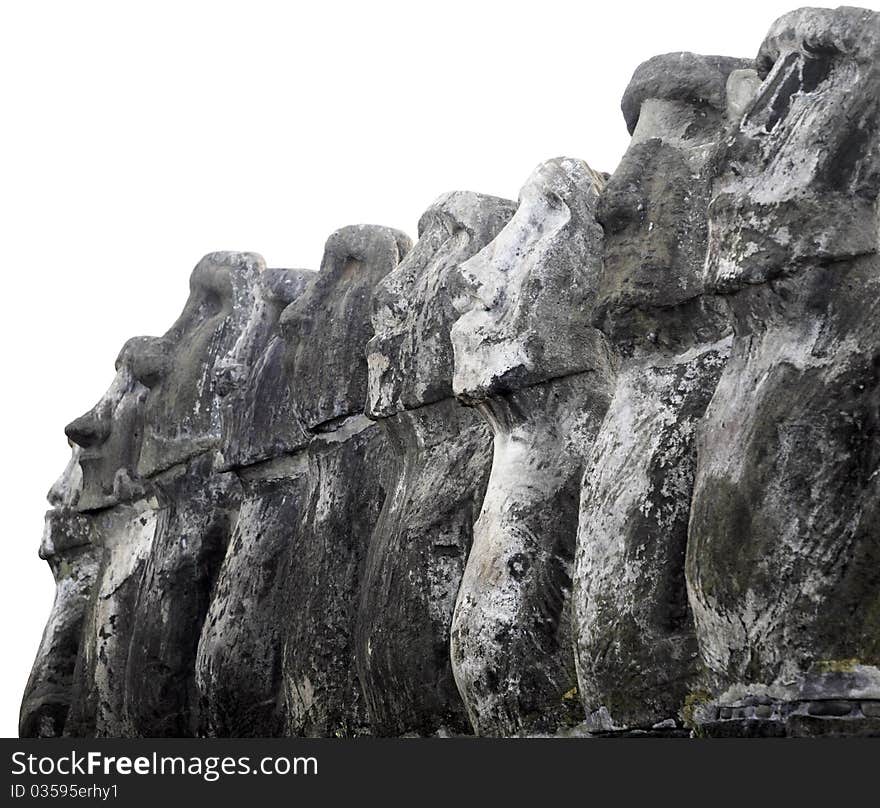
[[103, 520], [783, 556], [438, 462], [636, 649], [528, 359], [238, 667], [325, 332], [196, 505], [69, 549]]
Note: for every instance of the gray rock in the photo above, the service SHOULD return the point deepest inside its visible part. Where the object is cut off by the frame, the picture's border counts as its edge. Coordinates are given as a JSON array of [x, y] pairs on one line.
[[195, 516], [309, 484], [326, 332], [410, 358], [196, 506], [182, 416], [634, 634], [238, 664], [330, 316], [328, 552], [782, 566], [439, 460], [162, 530], [123, 536], [602, 461], [67, 547], [109, 437], [256, 414], [540, 374], [100, 476]]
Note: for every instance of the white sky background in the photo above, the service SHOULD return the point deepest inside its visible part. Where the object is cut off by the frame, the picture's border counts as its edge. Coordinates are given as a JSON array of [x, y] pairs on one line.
[[135, 139]]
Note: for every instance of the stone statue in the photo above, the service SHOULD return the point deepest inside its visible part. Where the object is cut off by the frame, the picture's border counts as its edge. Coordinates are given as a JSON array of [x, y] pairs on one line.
[[783, 557], [107, 441], [195, 507], [603, 461], [326, 330], [238, 668], [528, 359], [634, 634], [69, 549], [439, 455]]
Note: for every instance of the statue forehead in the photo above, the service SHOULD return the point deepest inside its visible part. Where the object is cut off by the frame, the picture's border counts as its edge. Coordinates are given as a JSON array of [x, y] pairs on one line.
[[852, 32], [681, 76]]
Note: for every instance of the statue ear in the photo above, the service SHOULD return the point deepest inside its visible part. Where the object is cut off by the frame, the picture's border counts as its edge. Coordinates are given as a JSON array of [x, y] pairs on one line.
[[742, 88]]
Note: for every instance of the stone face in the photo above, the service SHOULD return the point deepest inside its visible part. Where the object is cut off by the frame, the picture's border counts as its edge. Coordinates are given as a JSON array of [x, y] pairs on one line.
[[256, 415], [438, 463], [541, 374], [67, 547], [636, 647], [109, 436], [182, 416], [331, 316], [783, 554], [602, 461], [87, 497], [327, 330], [410, 357], [526, 288]]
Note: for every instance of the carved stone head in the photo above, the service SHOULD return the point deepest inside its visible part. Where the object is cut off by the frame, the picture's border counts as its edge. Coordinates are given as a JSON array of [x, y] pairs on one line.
[[182, 417], [410, 357], [255, 412], [526, 298], [803, 167], [653, 209], [326, 329], [108, 437]]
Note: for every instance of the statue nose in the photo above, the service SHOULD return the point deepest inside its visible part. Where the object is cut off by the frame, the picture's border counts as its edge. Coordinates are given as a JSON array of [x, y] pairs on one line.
[[88, 430]]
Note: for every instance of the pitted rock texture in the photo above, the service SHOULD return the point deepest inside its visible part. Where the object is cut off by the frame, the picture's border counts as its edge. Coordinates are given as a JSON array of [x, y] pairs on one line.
[[312, 494], [636, 647], [438, 463], [602, 461], [542, 376], [783, 555]]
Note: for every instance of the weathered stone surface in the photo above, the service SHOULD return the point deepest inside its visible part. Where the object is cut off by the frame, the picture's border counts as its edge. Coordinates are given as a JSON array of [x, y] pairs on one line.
[[238, 667], [109, 437], [541, 374], [194, 519], [312, 493], [410, 357], [256, 416], [124, 536], [68, 549], [636, 647], [600, 462], [439, 460], [182, 416], [328, 553], [783, 552], [327, 330], [87, 498], [330, 317]]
